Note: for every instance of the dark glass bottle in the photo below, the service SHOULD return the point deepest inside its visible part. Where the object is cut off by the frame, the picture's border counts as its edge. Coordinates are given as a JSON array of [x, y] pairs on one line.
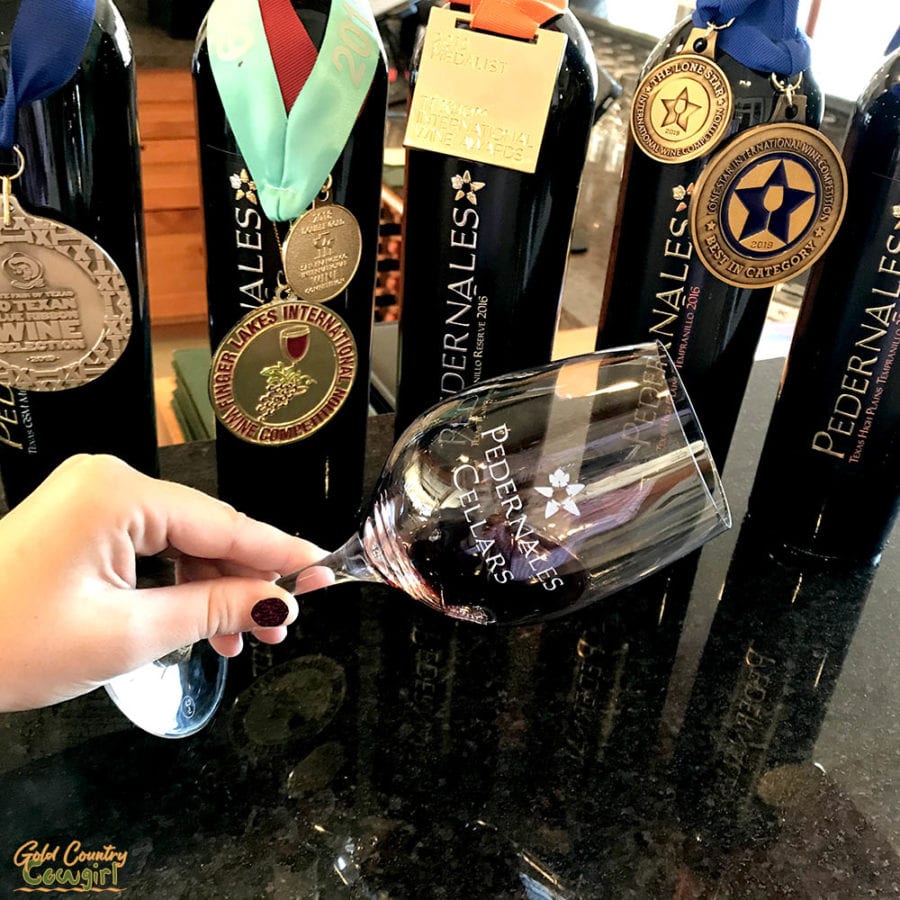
[[312, 486], [506, 253], [829, 480], [83, 169], [656, 286]]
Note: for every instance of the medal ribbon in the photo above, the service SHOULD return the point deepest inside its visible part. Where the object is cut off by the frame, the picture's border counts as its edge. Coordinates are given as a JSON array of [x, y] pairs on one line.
[[513, 18], [293, 52], [47, 44], [764, 35], [291, 109]]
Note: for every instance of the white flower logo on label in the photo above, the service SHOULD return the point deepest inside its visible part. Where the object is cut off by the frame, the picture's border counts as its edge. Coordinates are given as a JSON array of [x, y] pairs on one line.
[[465, 187], [559, 482], [243, 186]]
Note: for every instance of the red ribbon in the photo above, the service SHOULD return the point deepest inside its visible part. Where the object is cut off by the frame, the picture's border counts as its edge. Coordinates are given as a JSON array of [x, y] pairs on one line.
[[293, 52]]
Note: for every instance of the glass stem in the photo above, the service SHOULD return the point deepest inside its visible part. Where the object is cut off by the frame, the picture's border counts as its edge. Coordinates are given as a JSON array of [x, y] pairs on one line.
[[348, 563]]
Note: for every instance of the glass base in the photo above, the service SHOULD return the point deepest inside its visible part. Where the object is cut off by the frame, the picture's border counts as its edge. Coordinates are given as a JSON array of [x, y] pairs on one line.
[[175, 696]]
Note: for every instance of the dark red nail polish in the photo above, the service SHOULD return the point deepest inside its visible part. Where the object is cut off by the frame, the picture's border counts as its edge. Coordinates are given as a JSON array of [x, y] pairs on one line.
[[269, 612]]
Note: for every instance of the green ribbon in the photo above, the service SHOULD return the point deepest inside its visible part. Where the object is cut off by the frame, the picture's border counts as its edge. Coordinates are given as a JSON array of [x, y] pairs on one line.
[[290, 154]]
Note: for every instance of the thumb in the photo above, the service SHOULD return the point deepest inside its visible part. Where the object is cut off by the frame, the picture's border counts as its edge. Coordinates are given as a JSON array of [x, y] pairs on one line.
[[172, 617]]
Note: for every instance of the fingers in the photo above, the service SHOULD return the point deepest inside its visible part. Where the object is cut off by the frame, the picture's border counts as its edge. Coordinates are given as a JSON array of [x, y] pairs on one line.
[[219, 608], [174, 616], [159, 515], [227, 644], [225, 534]]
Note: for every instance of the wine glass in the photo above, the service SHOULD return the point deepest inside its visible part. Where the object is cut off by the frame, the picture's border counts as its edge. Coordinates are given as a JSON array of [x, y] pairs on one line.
[[175, 696], [515, 501], [536, 493]]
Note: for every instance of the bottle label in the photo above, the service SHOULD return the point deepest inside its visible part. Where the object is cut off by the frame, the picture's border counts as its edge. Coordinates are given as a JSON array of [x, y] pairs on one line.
[[767, 206], [867, 379], [469, 100], [65, 309], [283, 372]]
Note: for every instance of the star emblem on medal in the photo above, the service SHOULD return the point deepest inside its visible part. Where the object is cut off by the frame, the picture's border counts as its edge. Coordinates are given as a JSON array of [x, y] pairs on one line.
[[679, 110], [559, 494], [780, 208], [465, 187]]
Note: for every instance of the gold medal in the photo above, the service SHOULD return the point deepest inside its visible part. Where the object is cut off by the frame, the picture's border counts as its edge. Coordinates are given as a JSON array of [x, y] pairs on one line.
[[282, 372], [65, 309], [322, 250], [469, 100], [683, 107], [767, 206]]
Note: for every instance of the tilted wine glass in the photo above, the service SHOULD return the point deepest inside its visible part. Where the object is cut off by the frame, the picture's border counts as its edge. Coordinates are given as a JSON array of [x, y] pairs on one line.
[[534, 494], [517, 500]]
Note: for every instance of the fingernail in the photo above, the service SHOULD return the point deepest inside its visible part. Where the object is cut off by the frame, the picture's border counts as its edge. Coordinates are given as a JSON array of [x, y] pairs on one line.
[[269, 612]]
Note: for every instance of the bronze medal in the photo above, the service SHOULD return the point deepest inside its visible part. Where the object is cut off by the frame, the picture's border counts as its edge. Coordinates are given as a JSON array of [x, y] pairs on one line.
[[321, 252], [682, 107], [282, 372], [767, 206], [65, 309]]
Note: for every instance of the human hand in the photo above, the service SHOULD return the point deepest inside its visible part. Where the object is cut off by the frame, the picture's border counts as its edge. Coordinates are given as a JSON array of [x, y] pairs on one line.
[[70, 616]]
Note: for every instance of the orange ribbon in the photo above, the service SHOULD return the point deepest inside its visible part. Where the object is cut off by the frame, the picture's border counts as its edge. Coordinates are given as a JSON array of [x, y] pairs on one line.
[[514, 18]]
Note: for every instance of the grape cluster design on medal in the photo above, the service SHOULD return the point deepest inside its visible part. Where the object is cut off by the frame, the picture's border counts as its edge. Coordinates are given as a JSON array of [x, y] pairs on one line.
[[283, 384]]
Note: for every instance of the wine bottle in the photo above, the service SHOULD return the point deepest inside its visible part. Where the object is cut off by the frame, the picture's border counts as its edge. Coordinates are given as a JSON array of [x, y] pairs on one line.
[[658, 289], [304, 476], [828, 480], [75, 353], [484, 245]]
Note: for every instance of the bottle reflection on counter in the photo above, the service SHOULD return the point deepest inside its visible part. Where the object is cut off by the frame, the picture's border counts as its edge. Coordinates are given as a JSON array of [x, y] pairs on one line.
[[592, 722], [773, 657], [440, 691]]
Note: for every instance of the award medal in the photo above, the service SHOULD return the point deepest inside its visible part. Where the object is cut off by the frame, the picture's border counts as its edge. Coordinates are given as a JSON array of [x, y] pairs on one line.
[[322, 250], [683, 107], [65, 309], [286, 368], [767, 206], [282, 372], [469, 100]]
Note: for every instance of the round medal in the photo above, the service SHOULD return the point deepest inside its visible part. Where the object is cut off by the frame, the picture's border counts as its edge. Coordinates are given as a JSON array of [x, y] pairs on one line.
[[282, 372], [766, 208], [682, 108], [321, 252], [65, 310]]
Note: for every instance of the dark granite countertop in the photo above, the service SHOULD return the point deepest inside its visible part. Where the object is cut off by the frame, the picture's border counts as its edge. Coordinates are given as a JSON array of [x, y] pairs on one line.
[[730, 729]]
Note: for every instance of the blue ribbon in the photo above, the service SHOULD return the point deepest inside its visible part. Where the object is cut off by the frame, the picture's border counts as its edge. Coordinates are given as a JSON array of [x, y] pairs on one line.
[[47, 44], [895, 43], [764, 36]]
